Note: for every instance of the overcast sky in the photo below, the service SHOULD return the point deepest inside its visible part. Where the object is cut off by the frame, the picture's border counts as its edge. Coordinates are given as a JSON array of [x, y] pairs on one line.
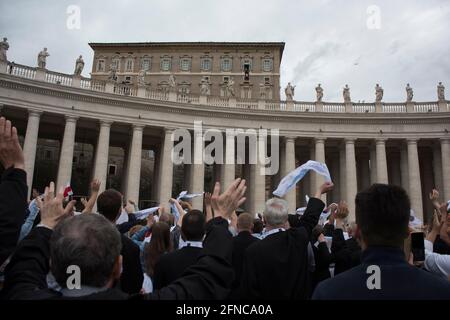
[[327, 41]]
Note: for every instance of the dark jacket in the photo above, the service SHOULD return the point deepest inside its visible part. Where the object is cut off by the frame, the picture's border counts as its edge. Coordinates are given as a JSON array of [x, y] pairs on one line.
[[277, 266], [323, 258], [209, 278], [13, 209], [346, 253], [132, 277], [171, 266], [398, 280], [240, 243]]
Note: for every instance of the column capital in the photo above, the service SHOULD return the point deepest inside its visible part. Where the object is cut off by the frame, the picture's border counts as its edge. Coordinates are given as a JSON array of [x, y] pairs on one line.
[[138, 127], [34, 113], [106, 123], [290, 138], [349, 140], [380, 140], [168, 130], [412, 140], [319, 139], [444, 140], [70, 118]]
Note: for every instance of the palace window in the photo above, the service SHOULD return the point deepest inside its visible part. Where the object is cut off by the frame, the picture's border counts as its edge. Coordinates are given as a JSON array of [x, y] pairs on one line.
[[115, 63], [101, 65], [246, 64], [146, 64], [166, 64], [226, 64], [266, 80], [185, 64], [129, 65], [267, 64], [205, 64]]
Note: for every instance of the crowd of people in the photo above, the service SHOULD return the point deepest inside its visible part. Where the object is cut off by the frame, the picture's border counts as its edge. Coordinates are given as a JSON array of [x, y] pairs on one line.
[[48, 250]]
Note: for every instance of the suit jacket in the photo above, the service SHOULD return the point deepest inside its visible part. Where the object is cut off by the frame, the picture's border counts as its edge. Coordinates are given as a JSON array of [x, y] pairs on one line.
[[346, 253], [240, 243], [13, 209], [132, 277], [398, 280], [323, 258], [171, 266], [209, 278], [277, 266]]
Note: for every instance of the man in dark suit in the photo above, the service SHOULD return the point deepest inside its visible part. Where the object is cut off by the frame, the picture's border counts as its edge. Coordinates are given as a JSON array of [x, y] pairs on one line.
[[240, 243], [171, 266], [109, 204], [86, 247], [277, 266], [382, 217]]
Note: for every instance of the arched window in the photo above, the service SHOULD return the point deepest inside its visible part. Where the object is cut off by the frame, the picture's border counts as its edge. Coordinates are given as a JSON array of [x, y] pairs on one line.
[[185, 63], [146, 63], [100, 65], [166, 63], [206, 63]]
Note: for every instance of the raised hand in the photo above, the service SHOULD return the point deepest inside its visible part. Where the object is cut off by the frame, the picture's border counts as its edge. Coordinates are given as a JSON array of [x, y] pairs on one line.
[[342, 210], [324, 188], [95, 185], [11, 154], [51, 206], [226, 203]]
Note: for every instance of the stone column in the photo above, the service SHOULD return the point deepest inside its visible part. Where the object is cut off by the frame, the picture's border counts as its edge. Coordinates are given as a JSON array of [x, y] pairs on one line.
[[437, 168], [228, 167], [404, 168], [382, 171], [101, 154], [415, 189], [320, 157], [197, 171], [166, 168], [342, 174], [350, 169], [373, 164], [445, 158], [289, 165], [134, 164], [257, 185], [30, 146], [66, 155]]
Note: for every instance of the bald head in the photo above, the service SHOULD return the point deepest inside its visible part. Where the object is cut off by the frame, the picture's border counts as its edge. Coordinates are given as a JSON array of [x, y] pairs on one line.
[[245, 222]]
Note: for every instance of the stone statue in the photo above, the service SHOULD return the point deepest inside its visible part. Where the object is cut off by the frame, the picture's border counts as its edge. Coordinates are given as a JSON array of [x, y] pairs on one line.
[[42, 58], [79, 65], [289, 91], [112, 73], [346, 94], [172, 82], [4, 46], [378, 93], [441, 92], [319, 93], [409, 93], [141, 77], [230, 87], [205, 87]]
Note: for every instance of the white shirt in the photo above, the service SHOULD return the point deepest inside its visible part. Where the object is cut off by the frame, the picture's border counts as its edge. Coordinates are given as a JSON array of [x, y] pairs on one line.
[[197, 244], [147, 285], [436, 263]]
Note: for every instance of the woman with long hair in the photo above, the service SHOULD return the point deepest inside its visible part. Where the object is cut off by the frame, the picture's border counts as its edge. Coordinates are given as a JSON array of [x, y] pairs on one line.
[[160, 244]]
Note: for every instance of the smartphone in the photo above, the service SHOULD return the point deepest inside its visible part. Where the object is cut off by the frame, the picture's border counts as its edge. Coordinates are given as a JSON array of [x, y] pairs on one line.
[[418, 246]]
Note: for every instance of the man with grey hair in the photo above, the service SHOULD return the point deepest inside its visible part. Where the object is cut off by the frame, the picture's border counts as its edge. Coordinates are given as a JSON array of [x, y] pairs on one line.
[[283, 253]]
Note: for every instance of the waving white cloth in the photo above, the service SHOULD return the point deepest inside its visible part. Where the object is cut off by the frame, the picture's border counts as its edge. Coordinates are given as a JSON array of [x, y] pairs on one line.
[[142, 214], [289, 181], [183, 195]]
